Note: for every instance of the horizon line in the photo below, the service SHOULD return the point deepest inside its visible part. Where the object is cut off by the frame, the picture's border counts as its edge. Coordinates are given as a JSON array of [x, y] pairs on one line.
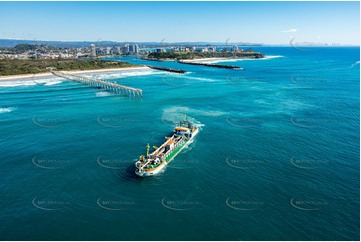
[[312, 44]]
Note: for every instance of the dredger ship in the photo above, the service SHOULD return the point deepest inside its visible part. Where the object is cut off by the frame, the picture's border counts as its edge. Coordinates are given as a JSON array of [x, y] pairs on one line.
[[152, 164]]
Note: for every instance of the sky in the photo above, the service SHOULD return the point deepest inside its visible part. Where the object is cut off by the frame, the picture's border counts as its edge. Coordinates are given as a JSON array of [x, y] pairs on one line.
[[232, 22]]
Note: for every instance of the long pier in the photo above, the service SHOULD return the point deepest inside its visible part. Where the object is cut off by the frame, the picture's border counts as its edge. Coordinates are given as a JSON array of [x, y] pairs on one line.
[[108, 86]]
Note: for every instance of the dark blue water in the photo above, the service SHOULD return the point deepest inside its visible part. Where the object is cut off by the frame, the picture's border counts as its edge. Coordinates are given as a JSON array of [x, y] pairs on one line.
[[277, 157]]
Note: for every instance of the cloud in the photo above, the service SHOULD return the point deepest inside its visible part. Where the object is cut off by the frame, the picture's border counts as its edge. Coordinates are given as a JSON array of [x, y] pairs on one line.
[[289, 31]]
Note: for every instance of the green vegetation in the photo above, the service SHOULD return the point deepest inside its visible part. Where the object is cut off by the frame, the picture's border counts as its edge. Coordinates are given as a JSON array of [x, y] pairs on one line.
[[18, 67], [21, 48], [25, 47], [195, 55]]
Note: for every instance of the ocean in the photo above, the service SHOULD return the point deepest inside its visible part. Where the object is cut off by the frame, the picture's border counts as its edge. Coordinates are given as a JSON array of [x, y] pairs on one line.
[[277, 157]]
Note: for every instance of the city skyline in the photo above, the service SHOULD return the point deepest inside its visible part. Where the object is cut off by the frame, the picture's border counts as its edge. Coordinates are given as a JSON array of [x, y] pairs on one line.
[[270, 23]]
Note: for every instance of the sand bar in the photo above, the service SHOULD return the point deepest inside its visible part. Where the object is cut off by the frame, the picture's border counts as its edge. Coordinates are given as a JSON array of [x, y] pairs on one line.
[[20, 77]]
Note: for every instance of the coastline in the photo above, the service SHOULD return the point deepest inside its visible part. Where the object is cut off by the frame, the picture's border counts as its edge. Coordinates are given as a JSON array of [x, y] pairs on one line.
[[26, 76]]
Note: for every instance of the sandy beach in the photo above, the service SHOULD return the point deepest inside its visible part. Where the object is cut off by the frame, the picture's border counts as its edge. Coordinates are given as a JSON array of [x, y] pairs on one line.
[[21, 77]]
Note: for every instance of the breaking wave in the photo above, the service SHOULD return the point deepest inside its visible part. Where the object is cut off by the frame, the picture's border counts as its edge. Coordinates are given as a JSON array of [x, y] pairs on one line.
[[30, 81], [356, 63], [102, 94], [250, 59], [7, 110]]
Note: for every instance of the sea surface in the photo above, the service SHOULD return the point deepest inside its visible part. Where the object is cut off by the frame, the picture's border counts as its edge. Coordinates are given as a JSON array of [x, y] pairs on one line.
[[277, 157]]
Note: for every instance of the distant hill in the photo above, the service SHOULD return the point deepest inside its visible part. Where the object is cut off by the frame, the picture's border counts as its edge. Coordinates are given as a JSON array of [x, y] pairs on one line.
[[10, 43]]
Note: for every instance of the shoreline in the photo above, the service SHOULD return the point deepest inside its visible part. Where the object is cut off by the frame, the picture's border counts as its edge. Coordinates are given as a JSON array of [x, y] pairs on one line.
[[26, 76]]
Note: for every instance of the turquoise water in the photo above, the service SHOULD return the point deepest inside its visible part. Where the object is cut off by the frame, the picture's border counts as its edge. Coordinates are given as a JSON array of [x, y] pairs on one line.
[[277, 157]]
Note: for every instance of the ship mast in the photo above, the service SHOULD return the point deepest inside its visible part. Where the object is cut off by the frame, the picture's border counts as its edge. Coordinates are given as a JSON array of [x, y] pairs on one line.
[[147, 150]]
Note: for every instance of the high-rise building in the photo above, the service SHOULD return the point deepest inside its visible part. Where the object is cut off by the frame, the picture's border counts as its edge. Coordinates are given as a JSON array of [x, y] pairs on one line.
[[159, 50], [212, 49], [117, 50], [235, 48], [125, 49], [131, 49], [136, 49], [93, 51]]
